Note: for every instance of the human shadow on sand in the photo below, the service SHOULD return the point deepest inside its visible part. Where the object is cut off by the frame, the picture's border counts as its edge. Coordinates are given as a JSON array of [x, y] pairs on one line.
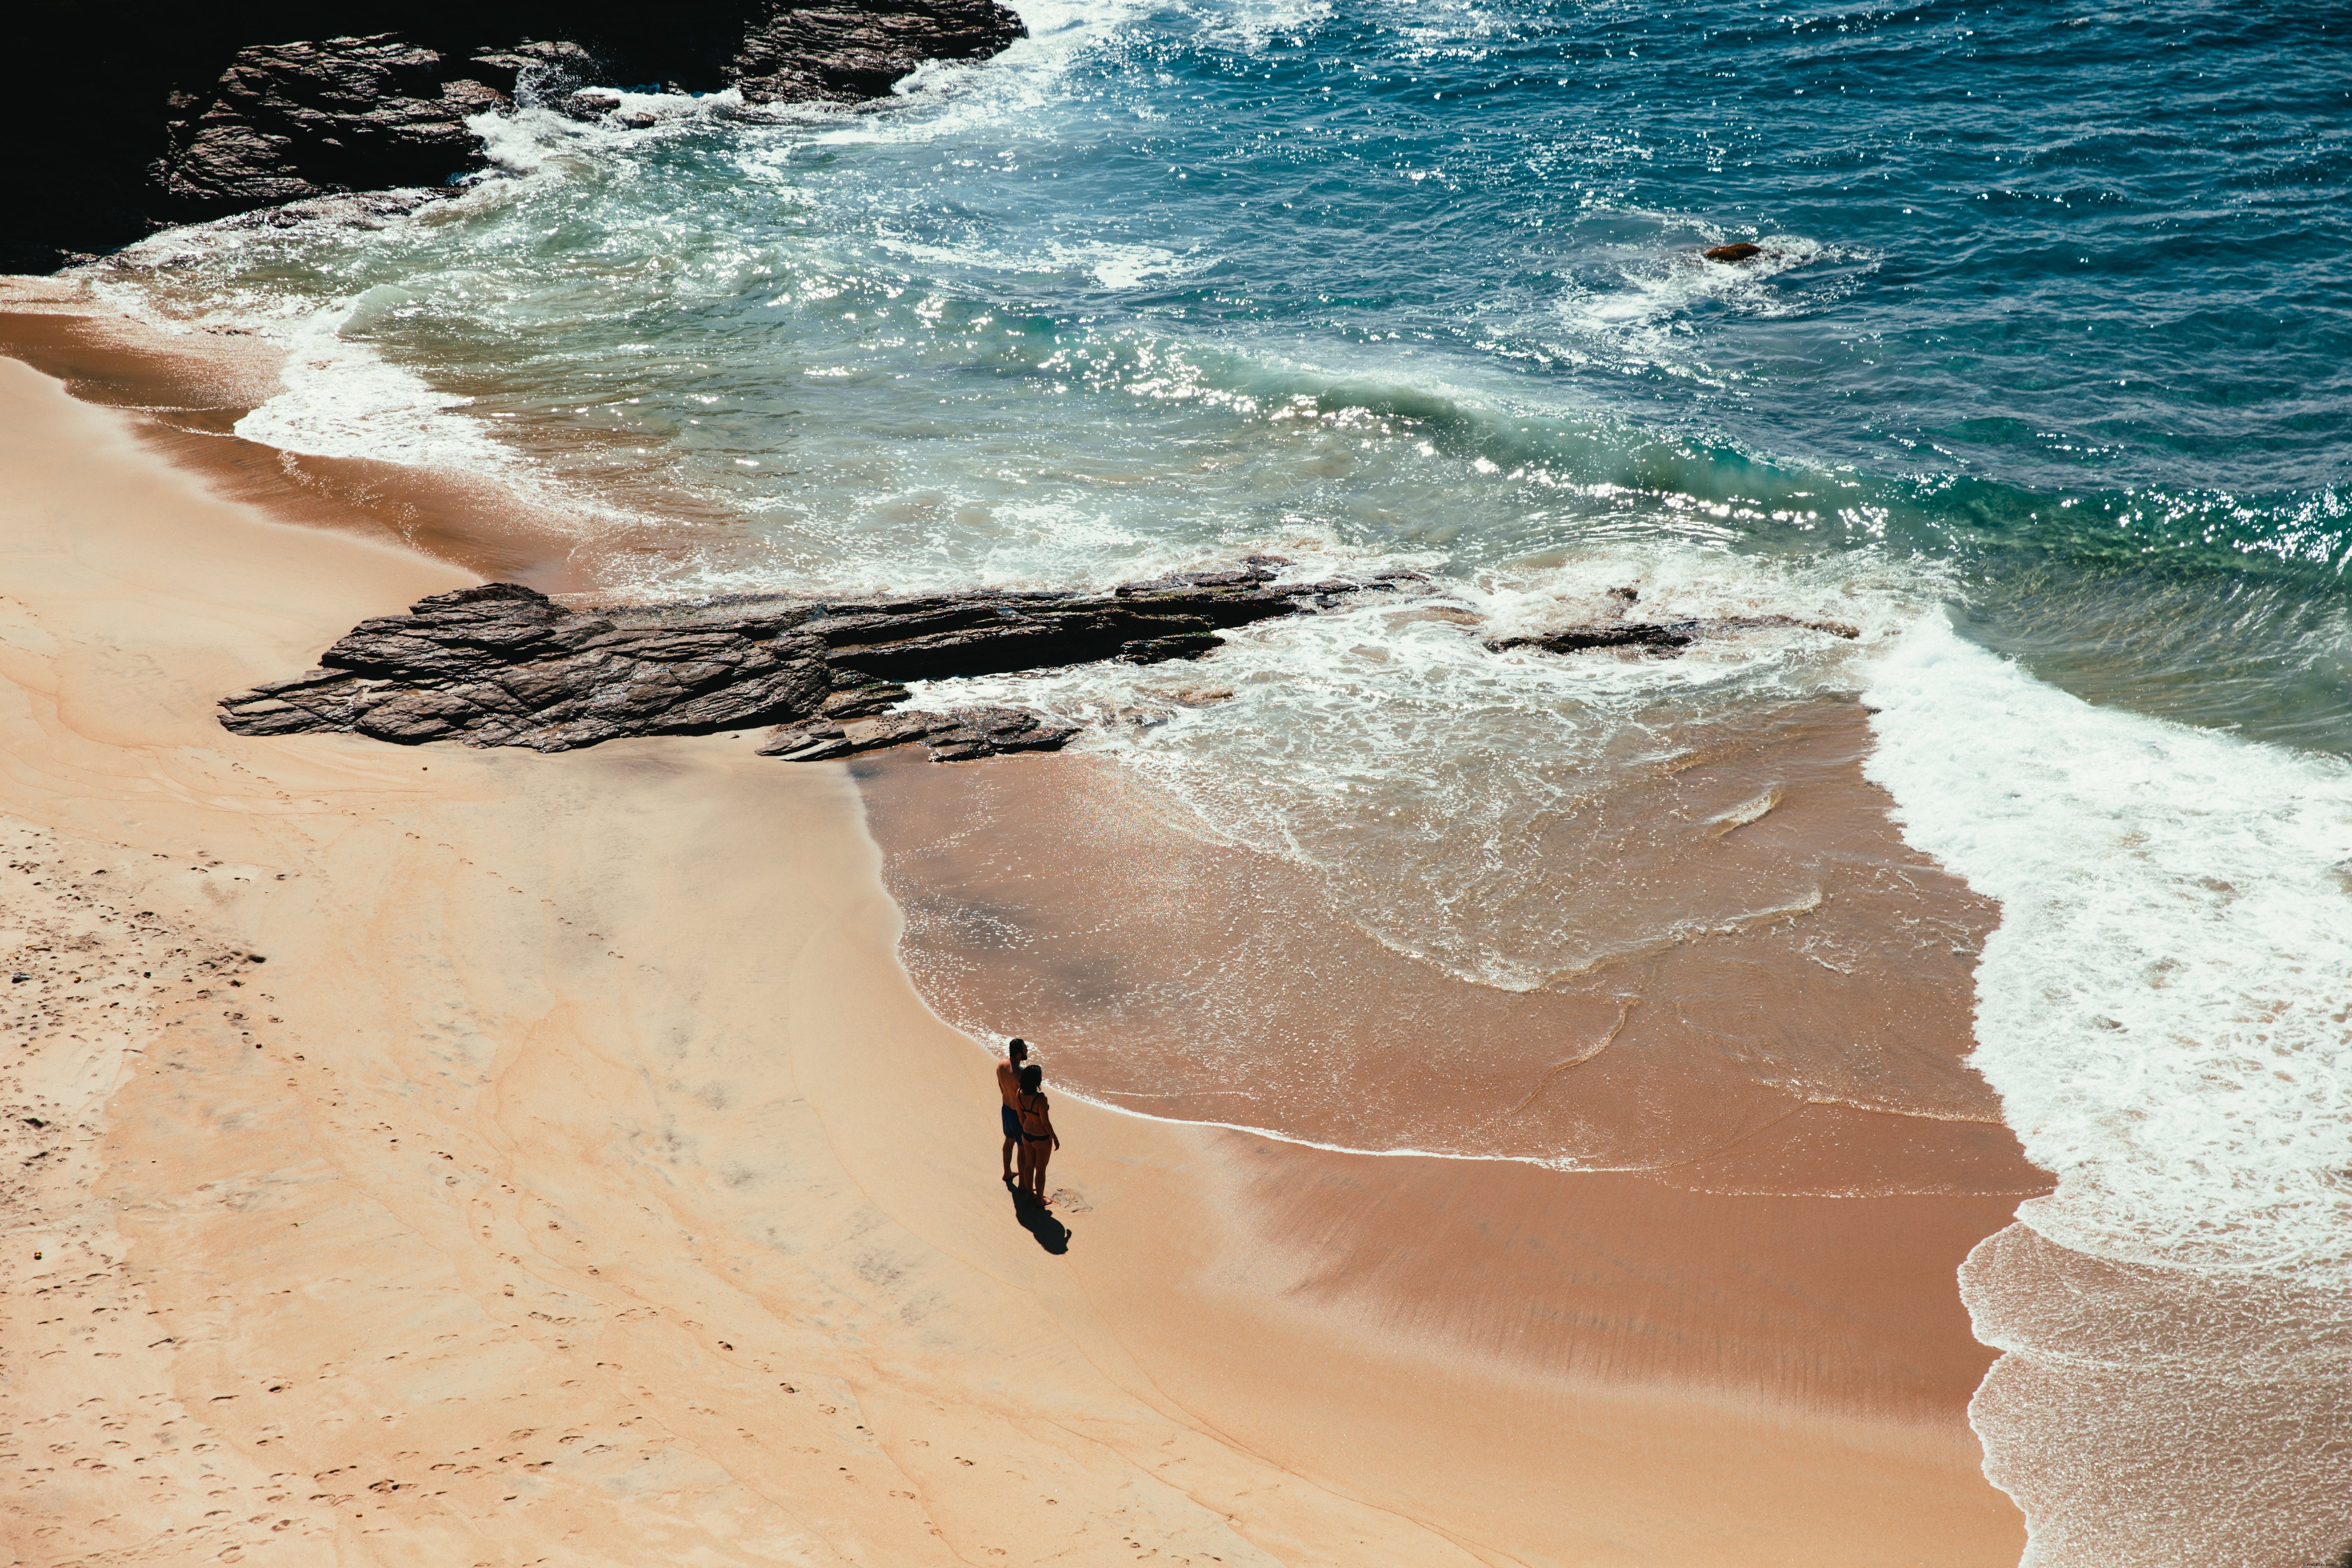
[[1039, 1220]]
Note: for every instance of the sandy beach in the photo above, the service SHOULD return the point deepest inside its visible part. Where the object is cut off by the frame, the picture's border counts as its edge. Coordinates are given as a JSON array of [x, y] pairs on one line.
[[435, 1156]]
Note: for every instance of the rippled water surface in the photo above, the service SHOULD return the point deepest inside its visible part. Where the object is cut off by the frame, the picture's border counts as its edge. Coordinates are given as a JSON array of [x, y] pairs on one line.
[[2056, 298], [2039, 384]]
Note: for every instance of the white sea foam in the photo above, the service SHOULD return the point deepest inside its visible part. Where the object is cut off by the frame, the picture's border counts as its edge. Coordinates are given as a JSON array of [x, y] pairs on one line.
[[1251, 27], [340, 396], [1663, 287], [2162, 1011], [527, 140], [1110, 264], [1388, 722], [1005, 90], [1642, 316], [2163, 1008], [342, 399]]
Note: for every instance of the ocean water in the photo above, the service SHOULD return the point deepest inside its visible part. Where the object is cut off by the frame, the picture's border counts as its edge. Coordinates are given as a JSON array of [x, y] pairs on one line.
[[2042, 385]]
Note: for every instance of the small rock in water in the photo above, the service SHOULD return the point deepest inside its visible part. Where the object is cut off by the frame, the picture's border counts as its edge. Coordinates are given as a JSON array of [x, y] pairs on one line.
[[1668, 636], [1733, 255], [1664, 636]]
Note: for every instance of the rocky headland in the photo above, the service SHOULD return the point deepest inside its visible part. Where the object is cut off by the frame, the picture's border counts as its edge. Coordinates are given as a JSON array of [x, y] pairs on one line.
[[503, 665], [201, 112]]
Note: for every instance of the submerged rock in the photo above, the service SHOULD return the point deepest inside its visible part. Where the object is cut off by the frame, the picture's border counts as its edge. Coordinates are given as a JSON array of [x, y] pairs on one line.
[[1667, 635], [1660, 637], [502, 665]]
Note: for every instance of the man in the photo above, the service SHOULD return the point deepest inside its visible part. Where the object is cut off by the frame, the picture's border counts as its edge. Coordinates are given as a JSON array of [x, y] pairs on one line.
[[1008, 1084]]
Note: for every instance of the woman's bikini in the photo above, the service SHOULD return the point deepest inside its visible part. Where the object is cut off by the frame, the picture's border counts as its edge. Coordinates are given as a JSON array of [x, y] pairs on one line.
[[1034, 1105]]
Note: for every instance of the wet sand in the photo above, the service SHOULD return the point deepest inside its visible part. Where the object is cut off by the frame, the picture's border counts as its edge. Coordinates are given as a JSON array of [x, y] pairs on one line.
[[1061, 891], [1786, 1011], [492, 1158], [186, 393]]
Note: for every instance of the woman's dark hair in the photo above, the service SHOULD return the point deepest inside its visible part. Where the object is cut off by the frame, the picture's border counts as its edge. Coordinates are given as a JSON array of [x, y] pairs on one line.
[[1032, 1078]]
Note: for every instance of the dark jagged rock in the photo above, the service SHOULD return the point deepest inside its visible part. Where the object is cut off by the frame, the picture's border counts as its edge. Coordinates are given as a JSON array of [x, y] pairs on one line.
[[821, 739], [1664, 636], [1661, 636], [959, 735], [847, 52], [589, 105], [287, 122], [555, 64], [502, 665], [1174, 644], [993, 633]]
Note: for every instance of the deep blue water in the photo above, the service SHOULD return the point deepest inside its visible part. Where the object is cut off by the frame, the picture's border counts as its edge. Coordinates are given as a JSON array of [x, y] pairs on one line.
[[2061, 249]]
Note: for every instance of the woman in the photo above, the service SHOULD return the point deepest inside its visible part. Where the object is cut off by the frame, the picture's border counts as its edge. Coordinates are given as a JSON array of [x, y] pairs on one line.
[[1038, 1139]]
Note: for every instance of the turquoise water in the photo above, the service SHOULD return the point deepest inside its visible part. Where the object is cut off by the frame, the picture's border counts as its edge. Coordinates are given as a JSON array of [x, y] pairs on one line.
[[2041, 382]]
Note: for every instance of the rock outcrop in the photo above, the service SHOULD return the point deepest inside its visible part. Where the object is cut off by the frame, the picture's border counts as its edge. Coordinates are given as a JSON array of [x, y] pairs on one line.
[[203, 111], [502, 665], [844, 53], [288, 121], [1667, 637]]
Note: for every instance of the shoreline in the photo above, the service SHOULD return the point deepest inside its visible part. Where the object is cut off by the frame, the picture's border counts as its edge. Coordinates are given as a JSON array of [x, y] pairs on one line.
[[1208, 1328], [186, 392], [1729, 1061]]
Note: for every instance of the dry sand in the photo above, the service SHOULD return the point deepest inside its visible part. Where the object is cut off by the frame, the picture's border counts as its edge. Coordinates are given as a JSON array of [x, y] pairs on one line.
[[461, 1158]]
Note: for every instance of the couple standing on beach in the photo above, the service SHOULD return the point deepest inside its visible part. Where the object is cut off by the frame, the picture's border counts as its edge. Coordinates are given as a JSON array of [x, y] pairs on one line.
[[1028, 1119]]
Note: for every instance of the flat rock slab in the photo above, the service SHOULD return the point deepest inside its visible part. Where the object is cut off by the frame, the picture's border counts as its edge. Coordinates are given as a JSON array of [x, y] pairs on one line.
[[1667, 637], [957, 735], [502, 665]]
